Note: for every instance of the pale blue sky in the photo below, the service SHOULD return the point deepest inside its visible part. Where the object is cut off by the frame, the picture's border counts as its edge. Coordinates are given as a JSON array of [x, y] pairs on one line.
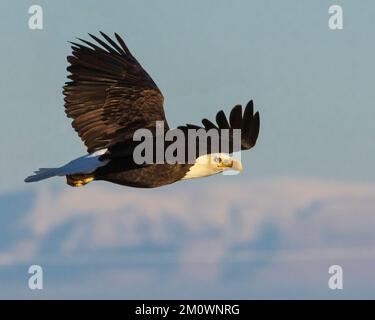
[[312, 86]]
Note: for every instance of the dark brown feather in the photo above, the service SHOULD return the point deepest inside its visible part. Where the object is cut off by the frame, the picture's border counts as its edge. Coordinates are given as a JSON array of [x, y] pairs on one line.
[[110, 95], [248, 122], [222, 120], [235, 117], [208, 124]]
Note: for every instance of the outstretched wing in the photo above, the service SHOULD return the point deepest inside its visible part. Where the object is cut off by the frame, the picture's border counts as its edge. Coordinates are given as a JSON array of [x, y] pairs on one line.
[[110, 95], [247, 122]]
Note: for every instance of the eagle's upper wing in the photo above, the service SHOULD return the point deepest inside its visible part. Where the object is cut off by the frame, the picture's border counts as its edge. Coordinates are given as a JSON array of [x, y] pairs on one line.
[[247, 122], [110, 95]]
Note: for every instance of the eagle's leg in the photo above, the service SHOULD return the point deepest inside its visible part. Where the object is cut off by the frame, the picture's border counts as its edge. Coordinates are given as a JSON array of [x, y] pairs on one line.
[[78, 180]]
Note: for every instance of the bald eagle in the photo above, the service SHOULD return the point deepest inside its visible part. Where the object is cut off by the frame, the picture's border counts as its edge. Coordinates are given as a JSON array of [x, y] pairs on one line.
[[109, 97]]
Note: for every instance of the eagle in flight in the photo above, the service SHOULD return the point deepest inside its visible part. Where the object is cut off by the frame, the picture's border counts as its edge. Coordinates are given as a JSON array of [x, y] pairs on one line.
[[109, 97]]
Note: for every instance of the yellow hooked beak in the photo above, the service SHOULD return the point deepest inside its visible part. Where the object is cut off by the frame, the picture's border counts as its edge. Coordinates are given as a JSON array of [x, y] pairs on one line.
[[233, 165], [237, 165]]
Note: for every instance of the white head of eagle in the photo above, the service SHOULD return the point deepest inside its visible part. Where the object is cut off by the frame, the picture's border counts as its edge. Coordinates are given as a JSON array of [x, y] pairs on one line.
[[110, 96], [210, 164]]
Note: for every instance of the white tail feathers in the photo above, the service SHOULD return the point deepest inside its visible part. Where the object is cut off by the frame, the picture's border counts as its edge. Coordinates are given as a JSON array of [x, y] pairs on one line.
[[86, 164], [43, 173]]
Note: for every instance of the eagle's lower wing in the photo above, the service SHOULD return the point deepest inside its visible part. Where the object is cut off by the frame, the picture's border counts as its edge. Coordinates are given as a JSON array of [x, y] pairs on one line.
[[110, 95], [248, 122]]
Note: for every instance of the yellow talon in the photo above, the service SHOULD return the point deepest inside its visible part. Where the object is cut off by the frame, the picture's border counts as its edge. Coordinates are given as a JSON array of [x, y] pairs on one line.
[[87, 180], [78, 181]]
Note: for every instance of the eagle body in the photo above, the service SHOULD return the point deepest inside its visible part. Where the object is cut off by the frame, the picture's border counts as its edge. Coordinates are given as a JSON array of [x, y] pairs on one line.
[[125, 172], [109, 96]]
